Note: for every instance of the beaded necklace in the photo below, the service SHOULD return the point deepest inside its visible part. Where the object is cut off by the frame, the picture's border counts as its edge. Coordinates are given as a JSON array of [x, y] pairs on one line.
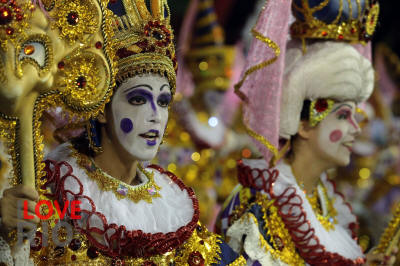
[[323, 207], [321, 204], [146, 191]]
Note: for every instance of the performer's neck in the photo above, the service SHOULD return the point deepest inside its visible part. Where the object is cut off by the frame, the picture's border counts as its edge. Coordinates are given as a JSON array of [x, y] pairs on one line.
[[116, 162], [307, 169]]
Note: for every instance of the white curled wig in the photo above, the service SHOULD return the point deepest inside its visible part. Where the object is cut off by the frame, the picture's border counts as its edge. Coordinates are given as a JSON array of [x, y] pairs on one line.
[[328, 70]]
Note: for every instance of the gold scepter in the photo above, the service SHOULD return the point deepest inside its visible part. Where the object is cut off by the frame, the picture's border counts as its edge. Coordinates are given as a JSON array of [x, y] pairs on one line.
[[391, 236], [78, 76]]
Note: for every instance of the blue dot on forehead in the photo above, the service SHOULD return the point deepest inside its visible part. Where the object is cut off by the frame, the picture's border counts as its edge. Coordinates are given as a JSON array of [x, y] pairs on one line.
[[126, 125]]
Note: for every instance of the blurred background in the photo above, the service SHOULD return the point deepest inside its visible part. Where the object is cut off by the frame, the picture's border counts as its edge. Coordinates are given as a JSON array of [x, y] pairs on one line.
[[371, 183]]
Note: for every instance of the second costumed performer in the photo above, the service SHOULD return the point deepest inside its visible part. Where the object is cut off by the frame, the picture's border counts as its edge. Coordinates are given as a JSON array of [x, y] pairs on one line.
[[291, 213]]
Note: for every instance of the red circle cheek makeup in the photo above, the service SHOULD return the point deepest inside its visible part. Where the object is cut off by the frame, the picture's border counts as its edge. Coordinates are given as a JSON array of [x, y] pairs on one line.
[[335, 135]]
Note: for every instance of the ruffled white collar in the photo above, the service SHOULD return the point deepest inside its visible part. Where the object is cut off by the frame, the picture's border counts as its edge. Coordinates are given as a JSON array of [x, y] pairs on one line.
[[338, 240], [165, 214]]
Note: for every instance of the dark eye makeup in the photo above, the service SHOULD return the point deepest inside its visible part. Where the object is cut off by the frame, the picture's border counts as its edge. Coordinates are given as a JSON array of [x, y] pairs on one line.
[[139, 96], [164, 100], [142, 96]]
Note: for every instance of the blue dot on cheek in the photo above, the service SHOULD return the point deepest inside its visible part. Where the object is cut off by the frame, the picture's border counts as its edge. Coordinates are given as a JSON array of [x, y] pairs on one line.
[[126, 125]]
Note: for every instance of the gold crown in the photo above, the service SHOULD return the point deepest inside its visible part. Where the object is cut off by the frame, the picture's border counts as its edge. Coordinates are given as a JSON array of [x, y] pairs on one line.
[[144, 39], [209, 61], [352, 20]]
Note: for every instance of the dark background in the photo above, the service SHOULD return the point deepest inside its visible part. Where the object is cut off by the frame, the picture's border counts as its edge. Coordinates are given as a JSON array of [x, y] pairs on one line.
[[232, 14]]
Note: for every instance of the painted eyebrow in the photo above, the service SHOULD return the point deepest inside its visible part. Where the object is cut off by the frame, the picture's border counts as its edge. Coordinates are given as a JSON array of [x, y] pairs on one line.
[[137, 86], [340, 106], [165, 85]]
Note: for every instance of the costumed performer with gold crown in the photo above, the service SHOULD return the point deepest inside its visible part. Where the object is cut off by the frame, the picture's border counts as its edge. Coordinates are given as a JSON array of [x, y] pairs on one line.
[[302, 94], [130, 214]]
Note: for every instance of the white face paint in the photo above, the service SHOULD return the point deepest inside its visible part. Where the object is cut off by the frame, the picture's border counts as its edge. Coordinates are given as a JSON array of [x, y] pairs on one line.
[[140, 114], [335, 134]]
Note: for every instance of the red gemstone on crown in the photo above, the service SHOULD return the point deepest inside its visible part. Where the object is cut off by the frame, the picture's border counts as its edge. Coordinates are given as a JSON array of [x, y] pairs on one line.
[[81, 82], [61, 65], [9, 31], [19, 17], [73, 18], [321, 105], [5, 15], [98, 45]]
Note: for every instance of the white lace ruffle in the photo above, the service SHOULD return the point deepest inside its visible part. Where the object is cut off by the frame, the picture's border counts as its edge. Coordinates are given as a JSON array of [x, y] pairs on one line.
[[21, 255], [337, 240], [165, 214], [5, 253]]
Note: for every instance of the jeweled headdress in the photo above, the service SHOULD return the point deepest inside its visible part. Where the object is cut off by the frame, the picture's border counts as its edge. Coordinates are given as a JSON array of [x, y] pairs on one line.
[[349, 20], [209, 60], [144, 39]]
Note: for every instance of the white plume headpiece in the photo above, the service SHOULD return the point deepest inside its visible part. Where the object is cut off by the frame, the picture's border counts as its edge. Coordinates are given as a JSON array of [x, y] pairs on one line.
[[329, 70]]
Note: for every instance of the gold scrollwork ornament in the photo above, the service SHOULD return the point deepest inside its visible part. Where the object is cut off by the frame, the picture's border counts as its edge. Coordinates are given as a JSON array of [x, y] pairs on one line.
[[76, 19]]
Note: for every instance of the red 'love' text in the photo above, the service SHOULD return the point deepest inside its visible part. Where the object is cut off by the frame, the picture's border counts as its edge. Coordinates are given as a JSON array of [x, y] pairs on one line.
[[61, 213]]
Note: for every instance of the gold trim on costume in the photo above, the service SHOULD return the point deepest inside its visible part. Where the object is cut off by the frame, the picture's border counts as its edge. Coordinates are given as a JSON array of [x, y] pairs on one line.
[[121, 190], [250, 71], [355, 29], [390, 237], [261, 65], [22, 59], [200, 246], [319, 197]]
